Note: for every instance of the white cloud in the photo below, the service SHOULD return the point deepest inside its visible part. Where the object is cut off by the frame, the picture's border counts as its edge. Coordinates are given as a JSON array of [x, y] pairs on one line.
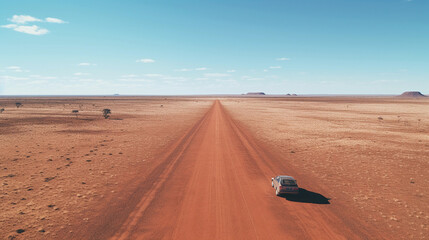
[[86, 80], [255, 79], [135, 80], [54, 20], [80, 74], [145, 60], [33, 30], [86, 64], [14, 68], [282, 59], [153, 75], [275, 67], [201, 69], [9, 26], [37, 82], [22, 19], [39, 77], [231, 71], [129, 76], [19, 20], [216, 75], [13, 78], [184, 70], [190, 69], [175, 78]]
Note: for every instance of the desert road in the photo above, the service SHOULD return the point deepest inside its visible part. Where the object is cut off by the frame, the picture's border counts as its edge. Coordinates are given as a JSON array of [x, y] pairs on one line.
[[215, 183]]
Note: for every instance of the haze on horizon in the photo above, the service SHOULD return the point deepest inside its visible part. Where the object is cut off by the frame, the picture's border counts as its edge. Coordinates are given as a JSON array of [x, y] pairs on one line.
[[219, 47]]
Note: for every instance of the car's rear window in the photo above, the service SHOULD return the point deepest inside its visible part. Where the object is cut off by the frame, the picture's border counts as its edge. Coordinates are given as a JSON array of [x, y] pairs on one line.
[[288, 182]]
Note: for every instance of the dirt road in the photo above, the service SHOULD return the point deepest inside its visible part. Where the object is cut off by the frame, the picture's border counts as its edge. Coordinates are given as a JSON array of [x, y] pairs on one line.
[[215, 184]]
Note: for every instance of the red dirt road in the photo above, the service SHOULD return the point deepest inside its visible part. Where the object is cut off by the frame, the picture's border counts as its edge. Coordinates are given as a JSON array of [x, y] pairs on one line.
[[215, 184]]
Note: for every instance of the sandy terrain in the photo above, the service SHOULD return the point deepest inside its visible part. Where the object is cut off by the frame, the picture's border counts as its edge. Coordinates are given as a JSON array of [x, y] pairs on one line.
[[216, 185], [201, 169], [56, 168], [370, 156]]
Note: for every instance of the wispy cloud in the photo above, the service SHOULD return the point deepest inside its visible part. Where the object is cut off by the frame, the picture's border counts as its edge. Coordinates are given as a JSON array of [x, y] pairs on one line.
[[54, 20], [14, 68], [231, 71], [145, 60], [80, 74], [23, 19], [216, 75], [191, 69], [153, 75], [86, 64], [175, 78], [135, 80], [282, 59], [275, 67], [129, 76], [33, 30], [19, 20], [12, 78], [37, 82], [42, 77], [183, 70], [9, 26], [201, 69]]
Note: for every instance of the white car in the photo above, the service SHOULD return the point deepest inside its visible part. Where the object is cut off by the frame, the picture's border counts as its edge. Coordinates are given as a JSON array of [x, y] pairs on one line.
[[284, 185]]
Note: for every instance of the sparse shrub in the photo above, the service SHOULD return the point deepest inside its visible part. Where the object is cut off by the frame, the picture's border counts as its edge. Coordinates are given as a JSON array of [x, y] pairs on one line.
[[106, 113], [1, 110], [75, 112], [18, 105]]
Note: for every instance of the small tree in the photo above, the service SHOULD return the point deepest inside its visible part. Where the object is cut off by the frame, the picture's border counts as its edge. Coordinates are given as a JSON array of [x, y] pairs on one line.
[[1, 110], [18, 104], [75, 112], [106, 113]]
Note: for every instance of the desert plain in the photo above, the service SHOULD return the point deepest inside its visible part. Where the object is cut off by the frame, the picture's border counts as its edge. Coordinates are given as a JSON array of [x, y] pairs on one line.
[[201, 168]]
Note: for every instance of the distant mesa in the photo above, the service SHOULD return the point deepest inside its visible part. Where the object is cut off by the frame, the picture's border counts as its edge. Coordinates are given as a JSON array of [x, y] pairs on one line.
[[412, 94], [291, 95], [255, 93]]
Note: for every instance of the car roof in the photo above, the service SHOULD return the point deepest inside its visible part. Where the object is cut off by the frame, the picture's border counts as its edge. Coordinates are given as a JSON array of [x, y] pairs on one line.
[[286, 177]]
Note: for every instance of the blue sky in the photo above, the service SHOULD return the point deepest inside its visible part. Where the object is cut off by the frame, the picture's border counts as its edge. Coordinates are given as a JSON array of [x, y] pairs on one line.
[[214, 47]]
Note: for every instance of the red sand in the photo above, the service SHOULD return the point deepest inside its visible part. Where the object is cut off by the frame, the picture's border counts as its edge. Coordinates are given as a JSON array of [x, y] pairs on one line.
[[185, 171]]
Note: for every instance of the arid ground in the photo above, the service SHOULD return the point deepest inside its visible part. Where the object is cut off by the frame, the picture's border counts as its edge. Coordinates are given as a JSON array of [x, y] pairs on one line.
[[200, 168]]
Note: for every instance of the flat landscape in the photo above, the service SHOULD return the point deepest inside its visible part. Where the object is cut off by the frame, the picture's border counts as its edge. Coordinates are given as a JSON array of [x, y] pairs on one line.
[[201, 168]]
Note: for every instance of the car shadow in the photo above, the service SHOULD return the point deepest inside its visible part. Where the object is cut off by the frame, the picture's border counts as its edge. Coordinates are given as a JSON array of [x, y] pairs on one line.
[[306, 196]]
